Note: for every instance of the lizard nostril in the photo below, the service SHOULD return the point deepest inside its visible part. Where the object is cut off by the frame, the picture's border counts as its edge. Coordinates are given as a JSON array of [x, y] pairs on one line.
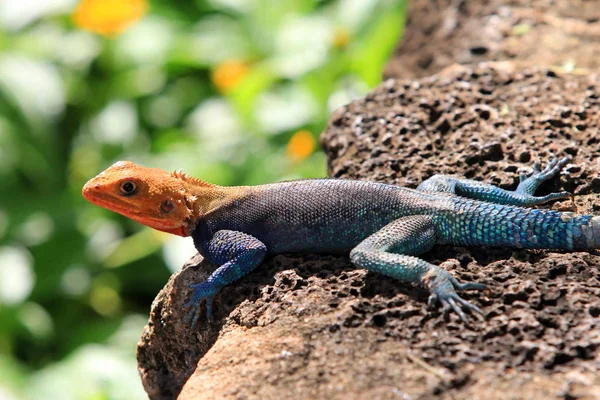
[[90, 188]]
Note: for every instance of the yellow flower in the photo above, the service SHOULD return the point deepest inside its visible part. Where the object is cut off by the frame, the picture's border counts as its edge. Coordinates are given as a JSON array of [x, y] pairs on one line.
[[108, 17], [301, 145], [229, 74], [341, 38]]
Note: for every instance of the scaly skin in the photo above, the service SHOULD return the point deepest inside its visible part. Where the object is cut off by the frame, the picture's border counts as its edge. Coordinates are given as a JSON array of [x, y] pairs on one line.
[[383, 227]]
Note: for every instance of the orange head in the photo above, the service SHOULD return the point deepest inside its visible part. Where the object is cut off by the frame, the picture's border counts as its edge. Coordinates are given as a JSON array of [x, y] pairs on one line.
[[151, 196]]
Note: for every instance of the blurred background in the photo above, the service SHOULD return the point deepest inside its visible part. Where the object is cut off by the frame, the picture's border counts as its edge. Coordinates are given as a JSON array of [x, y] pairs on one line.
[[231, 91]]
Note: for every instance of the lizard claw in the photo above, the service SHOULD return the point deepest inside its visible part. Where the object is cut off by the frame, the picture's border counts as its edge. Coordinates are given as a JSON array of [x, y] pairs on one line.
[[553, 167], [202, 291], [529, 183], [443, 288]]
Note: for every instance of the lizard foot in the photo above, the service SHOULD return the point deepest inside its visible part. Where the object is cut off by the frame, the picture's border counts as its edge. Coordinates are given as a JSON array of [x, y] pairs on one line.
[[443, 287], [529, 184], [202, 291]]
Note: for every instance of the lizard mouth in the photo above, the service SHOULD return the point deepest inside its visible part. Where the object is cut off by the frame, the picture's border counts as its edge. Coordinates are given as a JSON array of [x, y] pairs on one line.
[[107, 201], [113, 203]]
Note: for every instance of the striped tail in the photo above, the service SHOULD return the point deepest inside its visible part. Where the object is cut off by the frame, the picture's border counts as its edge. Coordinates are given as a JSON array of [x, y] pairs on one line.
[[479, 223]]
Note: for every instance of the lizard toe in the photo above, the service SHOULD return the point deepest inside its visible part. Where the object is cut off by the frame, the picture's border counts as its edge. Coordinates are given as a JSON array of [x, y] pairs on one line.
[[192, 315], [467, 285], [468, 306], [203, 291], [443, 289], [432, 301], [453, 302]]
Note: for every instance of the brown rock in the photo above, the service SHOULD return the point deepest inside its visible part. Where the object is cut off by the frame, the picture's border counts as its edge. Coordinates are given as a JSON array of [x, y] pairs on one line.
[[562, 34]]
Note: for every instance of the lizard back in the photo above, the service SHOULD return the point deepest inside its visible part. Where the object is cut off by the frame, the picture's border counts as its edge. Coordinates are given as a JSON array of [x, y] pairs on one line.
[[317, 215]]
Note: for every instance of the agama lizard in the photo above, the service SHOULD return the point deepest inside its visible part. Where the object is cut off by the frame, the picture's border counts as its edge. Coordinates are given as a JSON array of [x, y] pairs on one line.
[[383, 227]]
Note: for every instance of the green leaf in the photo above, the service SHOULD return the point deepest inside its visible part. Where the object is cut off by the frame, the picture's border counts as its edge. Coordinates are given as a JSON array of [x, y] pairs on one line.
[[372, 51], [244, 96]]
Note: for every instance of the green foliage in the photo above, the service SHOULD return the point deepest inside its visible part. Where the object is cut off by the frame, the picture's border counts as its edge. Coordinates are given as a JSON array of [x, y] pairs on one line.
[[216, 88]]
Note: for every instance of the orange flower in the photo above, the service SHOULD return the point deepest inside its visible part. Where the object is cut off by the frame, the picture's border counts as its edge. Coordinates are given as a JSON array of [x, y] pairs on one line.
[[301, 145], [229, 74], [108, 17]]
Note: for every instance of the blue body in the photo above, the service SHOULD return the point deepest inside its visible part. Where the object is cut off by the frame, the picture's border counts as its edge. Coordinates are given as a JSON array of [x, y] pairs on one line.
[[290, 217]]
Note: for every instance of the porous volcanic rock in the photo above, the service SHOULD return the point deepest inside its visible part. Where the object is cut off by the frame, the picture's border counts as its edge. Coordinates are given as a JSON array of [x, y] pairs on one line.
[[561, 34], [312, 326]]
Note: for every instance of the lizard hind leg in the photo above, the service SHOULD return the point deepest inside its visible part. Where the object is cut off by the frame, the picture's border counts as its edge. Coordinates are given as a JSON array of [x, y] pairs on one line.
[[391, 251], [523, 196]]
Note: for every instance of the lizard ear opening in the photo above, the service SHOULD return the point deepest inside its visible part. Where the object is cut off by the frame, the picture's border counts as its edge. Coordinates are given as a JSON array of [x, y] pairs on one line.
[[167, 206]]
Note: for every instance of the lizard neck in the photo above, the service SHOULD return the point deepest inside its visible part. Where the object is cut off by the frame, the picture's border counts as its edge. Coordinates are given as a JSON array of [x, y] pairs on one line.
[[207, 199]]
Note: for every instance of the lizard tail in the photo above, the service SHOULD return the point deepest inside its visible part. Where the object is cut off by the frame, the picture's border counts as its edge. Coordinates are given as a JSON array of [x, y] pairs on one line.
[[511, 226], [586, 234]]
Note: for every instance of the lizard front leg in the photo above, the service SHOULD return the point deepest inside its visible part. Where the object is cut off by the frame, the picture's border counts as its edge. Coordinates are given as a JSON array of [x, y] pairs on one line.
[[238, 253], [391, 250]]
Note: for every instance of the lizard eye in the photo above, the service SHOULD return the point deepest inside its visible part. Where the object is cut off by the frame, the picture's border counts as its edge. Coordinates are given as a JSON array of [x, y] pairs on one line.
[[167, 206], [128, 188]]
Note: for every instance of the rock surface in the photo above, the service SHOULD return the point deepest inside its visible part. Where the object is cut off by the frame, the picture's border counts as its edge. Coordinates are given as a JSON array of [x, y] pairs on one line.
[[308, 326], [562, 34]]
